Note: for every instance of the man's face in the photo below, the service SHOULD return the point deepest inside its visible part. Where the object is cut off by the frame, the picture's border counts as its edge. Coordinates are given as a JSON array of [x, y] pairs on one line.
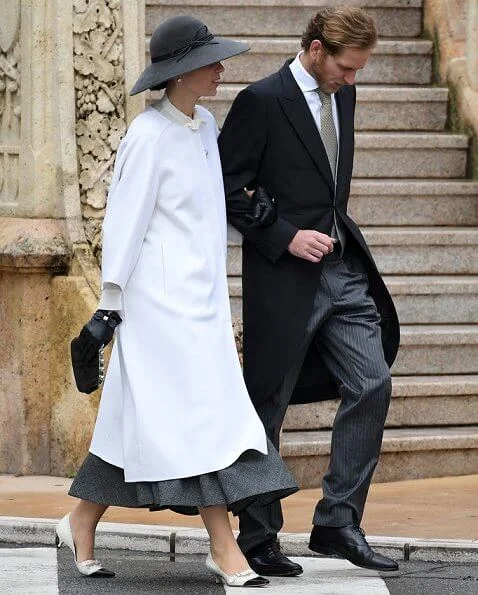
[[334, 71]]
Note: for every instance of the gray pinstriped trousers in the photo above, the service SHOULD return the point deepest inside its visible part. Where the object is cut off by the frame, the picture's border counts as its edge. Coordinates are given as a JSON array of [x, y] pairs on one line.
[[345, 323]]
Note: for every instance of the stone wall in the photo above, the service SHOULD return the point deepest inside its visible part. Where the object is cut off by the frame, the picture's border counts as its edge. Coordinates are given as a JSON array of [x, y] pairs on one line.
[[453, 25], [65, 70], [10, 108]]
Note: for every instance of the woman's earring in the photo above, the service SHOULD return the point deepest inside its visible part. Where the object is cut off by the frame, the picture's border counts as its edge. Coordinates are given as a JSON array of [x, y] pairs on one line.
[[180, 80]]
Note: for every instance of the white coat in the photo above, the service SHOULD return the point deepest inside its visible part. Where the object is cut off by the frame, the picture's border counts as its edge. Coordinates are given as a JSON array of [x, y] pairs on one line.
[[174, 403]]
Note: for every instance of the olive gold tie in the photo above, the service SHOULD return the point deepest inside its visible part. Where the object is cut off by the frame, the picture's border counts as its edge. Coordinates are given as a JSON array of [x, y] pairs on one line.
[[327, 129], [329, 138]]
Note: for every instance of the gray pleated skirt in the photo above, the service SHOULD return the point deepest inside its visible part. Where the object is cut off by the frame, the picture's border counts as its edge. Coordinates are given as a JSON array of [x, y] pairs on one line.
[[252, 478]]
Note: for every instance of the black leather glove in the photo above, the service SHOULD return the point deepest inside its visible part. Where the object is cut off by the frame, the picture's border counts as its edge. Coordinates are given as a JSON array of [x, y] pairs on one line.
[[97, 333], [102, 325], [264, 212], [86, 349]]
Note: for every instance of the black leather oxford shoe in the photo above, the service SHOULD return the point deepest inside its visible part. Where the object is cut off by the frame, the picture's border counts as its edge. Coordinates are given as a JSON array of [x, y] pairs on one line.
[[268, 560], [348, 542]]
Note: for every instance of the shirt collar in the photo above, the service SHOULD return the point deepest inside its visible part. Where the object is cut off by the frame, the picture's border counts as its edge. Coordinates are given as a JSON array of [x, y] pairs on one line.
[[305, 80], [175, 115]]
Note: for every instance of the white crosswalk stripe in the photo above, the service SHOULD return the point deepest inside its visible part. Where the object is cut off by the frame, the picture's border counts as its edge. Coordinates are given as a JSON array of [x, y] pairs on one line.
[[33, 571], [28, 571], [324, 576]]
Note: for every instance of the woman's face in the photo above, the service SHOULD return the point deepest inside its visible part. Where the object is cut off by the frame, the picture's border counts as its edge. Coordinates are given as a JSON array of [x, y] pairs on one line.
[[204, 81]]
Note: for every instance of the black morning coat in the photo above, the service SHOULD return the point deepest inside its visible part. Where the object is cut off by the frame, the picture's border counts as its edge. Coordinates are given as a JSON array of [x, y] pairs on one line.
[[270, 139]]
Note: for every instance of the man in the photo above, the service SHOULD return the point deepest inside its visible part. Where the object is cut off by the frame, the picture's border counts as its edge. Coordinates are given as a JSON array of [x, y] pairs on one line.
[[318, 319]]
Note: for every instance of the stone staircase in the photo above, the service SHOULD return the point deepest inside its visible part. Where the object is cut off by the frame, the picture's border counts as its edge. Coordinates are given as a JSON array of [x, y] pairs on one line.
[[418, 213]]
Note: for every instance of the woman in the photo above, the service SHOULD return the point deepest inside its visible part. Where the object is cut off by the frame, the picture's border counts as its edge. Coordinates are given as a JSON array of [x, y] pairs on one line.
[[175, 428]]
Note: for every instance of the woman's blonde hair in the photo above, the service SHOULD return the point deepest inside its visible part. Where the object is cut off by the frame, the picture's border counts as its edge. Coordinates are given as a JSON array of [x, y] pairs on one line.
[[340, 27]]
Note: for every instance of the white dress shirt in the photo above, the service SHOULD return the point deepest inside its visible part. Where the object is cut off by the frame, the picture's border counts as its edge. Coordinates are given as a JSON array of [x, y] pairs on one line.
[[308, 85]]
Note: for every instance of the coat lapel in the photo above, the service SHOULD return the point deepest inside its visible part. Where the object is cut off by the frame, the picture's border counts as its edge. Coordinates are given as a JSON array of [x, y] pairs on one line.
[[297, 111], [344, 100]]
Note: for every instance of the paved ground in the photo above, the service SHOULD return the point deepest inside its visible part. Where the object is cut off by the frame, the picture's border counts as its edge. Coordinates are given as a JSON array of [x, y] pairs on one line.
[[435, 508], [44, 571], [427, 508]]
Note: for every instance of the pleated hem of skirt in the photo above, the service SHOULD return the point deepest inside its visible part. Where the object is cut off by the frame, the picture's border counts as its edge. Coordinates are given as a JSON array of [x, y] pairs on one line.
[[253, 479]]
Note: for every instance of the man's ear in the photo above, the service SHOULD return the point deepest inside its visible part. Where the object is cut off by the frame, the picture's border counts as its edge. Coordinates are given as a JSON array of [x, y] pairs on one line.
[[316, 48]]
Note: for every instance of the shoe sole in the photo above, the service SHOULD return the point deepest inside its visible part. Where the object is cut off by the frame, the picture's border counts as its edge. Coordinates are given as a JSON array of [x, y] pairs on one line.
[[221, 581], [59, 543], [335, 554], [280, 574]]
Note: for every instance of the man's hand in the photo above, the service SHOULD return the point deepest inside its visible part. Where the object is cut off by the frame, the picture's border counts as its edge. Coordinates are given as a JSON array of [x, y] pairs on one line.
[[311, 245]]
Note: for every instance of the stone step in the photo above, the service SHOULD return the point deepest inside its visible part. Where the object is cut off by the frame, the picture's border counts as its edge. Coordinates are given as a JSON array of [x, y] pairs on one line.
[[439, 299], [410, 155], [417, 400], [401, 108], [424, 250], [408, 251], [394, 18], [432, 299], [397, 62], [437, 349], [414, 202], [406, 454], [378, 108]]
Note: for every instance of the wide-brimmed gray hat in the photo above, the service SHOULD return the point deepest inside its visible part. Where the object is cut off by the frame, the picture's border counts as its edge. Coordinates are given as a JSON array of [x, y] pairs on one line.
[[180, 45]]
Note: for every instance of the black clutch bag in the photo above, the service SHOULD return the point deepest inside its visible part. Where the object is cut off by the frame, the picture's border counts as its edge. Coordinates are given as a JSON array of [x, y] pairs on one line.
[[87, 350]]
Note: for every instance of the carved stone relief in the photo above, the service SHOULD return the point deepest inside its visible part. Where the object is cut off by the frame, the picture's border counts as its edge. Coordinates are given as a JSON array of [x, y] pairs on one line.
[[9, 100], [100, 114]]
